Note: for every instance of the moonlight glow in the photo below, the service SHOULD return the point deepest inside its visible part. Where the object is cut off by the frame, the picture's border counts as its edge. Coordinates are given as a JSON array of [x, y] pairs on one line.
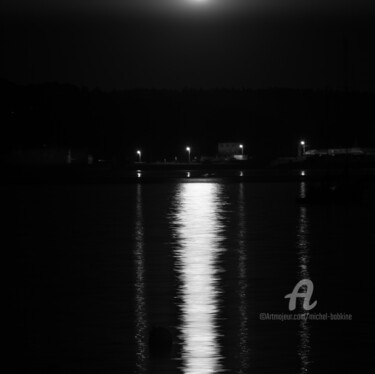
[[198, 3]]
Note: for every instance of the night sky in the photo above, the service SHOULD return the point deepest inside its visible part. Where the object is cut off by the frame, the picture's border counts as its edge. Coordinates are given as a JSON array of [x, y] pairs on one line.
[[189, 43]]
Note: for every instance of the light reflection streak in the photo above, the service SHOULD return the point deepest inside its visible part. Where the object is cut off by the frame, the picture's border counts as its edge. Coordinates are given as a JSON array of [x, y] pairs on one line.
[[304, 260], [198, 230], [140, 299], [242, 285]]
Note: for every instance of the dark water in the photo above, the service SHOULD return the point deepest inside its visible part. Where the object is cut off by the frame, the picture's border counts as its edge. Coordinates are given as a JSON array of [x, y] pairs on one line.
[[93, 269]]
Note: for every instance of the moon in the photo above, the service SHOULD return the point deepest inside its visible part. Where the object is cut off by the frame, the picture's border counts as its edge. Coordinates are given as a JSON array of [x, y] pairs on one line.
[[199, 1]]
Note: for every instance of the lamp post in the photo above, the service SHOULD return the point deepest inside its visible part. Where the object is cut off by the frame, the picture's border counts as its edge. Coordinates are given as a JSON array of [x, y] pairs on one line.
[[241, 146], [139, 153], [303, 147], [188, 151]]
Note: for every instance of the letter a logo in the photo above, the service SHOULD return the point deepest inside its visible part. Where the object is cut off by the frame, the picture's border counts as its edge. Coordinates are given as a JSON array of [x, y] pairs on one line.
[[306, 295]]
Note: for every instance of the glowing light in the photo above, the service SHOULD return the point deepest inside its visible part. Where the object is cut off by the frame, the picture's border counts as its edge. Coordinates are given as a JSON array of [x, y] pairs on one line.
[[304, 257], [302, 142], [198, 229], [303, 173], [199, 1], [140, 293], [188, 151], [242, 289]]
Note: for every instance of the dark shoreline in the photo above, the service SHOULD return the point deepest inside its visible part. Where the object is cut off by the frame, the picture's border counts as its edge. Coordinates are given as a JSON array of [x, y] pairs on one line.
[[158, 173]]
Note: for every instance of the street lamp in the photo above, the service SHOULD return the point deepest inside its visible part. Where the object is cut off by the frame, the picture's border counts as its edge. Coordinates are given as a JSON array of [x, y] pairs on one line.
[[241, 146], [188, 151], [303, 147], [139, 153]]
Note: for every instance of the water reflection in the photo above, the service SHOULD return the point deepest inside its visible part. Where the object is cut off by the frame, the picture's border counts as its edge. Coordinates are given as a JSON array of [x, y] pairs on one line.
[[198, 229], [140, 300], [303, 244], [242, 284]]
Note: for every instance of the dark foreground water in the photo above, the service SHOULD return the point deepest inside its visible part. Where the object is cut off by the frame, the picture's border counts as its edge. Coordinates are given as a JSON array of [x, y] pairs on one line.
[[93, 269]]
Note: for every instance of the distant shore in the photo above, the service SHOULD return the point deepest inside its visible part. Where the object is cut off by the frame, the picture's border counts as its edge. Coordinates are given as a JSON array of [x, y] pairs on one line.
[[159, 172]]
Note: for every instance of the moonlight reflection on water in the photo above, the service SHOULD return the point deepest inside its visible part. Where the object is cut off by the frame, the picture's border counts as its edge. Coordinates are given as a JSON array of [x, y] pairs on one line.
[[198, 229]]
